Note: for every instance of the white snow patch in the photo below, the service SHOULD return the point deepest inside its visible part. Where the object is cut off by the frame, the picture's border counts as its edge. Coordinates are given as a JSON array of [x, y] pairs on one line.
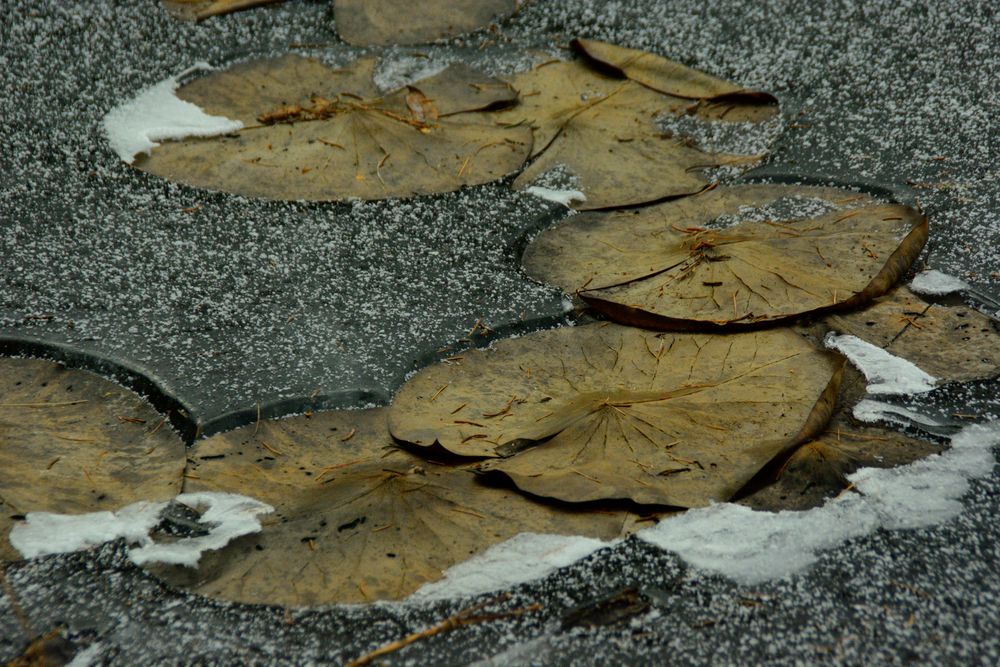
[[157, 114], [936, 283], [522, 558], [886, 373], [564, 197], [750, 547], [88, 656], [872, 411], [229, 516], [44, 533]]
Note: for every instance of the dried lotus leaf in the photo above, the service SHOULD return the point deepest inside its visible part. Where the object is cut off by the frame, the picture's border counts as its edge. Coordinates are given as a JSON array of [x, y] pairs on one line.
[[313, 133], [356, 518], [731, 257], [603, 411]]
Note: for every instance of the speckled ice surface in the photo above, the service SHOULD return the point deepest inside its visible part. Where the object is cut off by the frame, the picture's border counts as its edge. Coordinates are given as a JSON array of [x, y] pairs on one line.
[[229, 302]]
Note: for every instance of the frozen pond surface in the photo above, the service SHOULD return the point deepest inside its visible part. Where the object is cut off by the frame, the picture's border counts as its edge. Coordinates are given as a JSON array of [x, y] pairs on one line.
[[228, 302]]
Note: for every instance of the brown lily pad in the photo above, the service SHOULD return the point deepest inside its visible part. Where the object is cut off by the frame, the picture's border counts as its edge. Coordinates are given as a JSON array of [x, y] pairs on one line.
[[314, 133], [73, 442], [357, 518], [954, 343], [818, 470], [731, 257], [601, 126], [603, 411], [386, 22]]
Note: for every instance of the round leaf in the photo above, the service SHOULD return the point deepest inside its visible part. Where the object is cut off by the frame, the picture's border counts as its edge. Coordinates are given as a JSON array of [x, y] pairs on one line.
[[72, 442], [604, 411], [319, 134], [357, 518], [733, 256]]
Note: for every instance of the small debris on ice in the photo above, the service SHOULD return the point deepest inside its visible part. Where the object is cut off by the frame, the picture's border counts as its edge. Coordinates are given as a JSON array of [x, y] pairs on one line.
[[935, 283], [157, 114], [886, 373]]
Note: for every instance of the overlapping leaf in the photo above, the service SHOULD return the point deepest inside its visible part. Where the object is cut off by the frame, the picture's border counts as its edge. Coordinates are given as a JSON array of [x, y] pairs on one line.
[[73, 442], [385, 22], [357, 518], [677, 266], [818, 470], [604, 411], [950, 342], [320, 134], [672, 78], [600, 124]]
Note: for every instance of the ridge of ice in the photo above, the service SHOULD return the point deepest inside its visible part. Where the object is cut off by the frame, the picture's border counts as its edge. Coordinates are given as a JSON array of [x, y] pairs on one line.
[[885, 372], [229, 515], [564, 197], [157, 114], [935, 282], [750, 546]]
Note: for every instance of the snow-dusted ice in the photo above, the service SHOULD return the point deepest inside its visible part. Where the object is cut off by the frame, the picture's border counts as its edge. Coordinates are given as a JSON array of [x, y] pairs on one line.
[[228, 515], [936, 283], [157, 114], [885, 372]]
